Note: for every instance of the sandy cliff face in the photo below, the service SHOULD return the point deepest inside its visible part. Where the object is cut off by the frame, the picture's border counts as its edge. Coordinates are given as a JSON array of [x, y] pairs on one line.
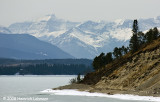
[[139, 74]]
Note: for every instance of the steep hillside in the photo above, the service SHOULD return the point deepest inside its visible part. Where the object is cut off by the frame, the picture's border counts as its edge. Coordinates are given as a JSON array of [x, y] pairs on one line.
[[25, 46], [138, 72]]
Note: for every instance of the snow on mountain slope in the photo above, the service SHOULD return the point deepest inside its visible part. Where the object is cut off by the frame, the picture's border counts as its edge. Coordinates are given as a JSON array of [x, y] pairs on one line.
[[42, 26], [85, 39], [4, 30], [122, 34], [73, 45]]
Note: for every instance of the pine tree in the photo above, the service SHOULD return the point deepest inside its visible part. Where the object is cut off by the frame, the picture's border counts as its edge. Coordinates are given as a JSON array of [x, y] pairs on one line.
[[78, 78], [108, 58], [102, 59], [95, 63], [120, 52], [152, 34], [141, 38], [149, 36], [124, 50], [134, 42], [135, 27], [155, 33], [99, 61], [115, 52]]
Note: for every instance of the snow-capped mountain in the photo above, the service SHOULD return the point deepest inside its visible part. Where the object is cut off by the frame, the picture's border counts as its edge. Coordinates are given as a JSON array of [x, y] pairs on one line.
[[83, 39], [48, 25], [73, 41]]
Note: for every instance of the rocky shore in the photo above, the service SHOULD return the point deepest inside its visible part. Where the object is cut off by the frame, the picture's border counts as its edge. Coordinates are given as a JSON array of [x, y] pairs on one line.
[[92, 89]]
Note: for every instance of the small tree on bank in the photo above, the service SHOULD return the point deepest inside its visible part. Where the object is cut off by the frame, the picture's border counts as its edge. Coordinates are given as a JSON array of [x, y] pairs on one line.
[[78, 78]]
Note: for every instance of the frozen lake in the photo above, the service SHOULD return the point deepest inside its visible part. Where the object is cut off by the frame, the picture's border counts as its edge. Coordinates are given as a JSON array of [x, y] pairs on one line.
[[29, 89]]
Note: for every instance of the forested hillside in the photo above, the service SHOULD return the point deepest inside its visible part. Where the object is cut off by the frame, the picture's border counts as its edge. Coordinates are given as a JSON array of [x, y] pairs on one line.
[[45, 67]]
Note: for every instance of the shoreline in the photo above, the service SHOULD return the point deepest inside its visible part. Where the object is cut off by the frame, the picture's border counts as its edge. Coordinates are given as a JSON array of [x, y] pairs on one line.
[[87, 90], [92, 89]]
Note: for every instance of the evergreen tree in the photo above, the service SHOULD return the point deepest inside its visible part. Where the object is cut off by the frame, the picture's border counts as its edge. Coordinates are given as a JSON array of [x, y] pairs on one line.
[[116, 52], [99, 61], [141, 38], [78, 78], [149, 36], [108, 58], [152, 34], [95, 63], [120, 52], [134, 41], [155, 33], [135, 27], [102, 59], [124, 50]]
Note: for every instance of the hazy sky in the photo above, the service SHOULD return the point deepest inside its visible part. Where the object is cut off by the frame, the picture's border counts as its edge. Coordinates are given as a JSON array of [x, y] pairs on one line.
[[77, 10]]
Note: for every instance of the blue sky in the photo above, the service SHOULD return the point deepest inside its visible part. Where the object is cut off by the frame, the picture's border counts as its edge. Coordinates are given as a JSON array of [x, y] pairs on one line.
[[77, 10]]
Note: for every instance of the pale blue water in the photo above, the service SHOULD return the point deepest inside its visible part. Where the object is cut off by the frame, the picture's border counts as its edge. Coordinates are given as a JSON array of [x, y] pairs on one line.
[[18, 88]]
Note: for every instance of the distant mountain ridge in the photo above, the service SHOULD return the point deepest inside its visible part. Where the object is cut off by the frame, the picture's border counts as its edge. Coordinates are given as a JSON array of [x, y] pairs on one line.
[[24, 46], [83, 39]]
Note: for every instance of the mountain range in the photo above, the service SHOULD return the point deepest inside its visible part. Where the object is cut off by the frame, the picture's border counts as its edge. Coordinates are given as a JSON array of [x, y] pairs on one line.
[[82, 39], [24, 46]]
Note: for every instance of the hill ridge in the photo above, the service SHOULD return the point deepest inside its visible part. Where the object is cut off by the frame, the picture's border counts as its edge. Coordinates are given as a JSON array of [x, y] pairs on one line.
[[29, 47]]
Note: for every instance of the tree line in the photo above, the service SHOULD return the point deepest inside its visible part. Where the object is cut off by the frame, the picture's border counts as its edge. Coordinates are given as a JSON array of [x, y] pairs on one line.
[[140, 39], [46, 69], [137, 41], [7, 61]]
